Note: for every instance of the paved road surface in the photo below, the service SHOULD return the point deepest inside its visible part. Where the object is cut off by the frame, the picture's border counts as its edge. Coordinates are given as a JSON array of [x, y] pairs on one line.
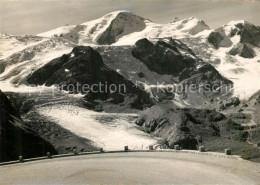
[[133, 168]]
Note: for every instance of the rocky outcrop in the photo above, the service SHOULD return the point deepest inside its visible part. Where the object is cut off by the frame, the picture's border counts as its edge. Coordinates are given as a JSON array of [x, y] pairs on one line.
[[231, 102], [164, 56], [2, 68], [248, 33], [218, 38], [215, 39], [185, 127], [242, 50], [124, 23], [83, 71], [15, 138], [205, 76], [172, 57]]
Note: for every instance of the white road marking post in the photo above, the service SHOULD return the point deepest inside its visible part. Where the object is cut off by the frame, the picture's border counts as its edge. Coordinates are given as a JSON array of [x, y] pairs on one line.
[[177, 147], [49, 155], [228, 151], [75, 151], [202, 149], [21, 159]]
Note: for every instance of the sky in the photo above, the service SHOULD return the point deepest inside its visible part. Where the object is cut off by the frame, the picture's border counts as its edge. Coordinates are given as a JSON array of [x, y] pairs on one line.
[[24, 17]]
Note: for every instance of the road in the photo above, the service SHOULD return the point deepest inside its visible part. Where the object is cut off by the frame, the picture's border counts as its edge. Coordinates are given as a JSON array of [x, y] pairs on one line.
[[133, 168]]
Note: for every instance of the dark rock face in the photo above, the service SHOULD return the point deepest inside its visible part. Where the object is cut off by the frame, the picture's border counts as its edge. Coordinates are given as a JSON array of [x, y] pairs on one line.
[[195, 78], [240, 117], [255, 98], [118, 26], [233, 102], [228, 103], [242, 50], [2, 68], [183, 126], [163, 57], [84, 67], [141, 75], [162, 94], [249, 33], [26, 106], [17, 139], [206, 74], [215, 39]]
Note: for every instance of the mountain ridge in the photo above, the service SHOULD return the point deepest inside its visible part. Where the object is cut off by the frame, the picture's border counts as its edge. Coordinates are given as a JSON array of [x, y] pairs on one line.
[[233, 59]]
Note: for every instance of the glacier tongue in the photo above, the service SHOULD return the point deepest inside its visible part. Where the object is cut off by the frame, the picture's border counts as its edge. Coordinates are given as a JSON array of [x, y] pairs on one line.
[[107, 130]]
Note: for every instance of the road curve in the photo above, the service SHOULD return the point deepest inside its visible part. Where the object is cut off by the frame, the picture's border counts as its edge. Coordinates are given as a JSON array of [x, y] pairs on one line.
[[133, 168]]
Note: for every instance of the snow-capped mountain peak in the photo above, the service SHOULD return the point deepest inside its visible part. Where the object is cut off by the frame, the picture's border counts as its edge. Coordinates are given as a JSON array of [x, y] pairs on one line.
[[234, 50], [104, 30], [192, 25], [114, 27], [247, 32]]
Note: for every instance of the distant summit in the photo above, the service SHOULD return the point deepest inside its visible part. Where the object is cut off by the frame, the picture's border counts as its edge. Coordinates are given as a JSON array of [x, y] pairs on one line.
[[236, 32], [124, 27], [105, 30]]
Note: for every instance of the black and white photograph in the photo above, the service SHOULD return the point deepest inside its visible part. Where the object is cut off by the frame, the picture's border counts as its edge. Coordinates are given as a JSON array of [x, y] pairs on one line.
[[129, 92]]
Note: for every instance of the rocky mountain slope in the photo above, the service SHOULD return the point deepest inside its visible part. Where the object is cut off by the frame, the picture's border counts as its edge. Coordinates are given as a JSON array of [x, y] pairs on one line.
[[190, 128], [234, 50], [185, 127], [16, 138], [84, 66]]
